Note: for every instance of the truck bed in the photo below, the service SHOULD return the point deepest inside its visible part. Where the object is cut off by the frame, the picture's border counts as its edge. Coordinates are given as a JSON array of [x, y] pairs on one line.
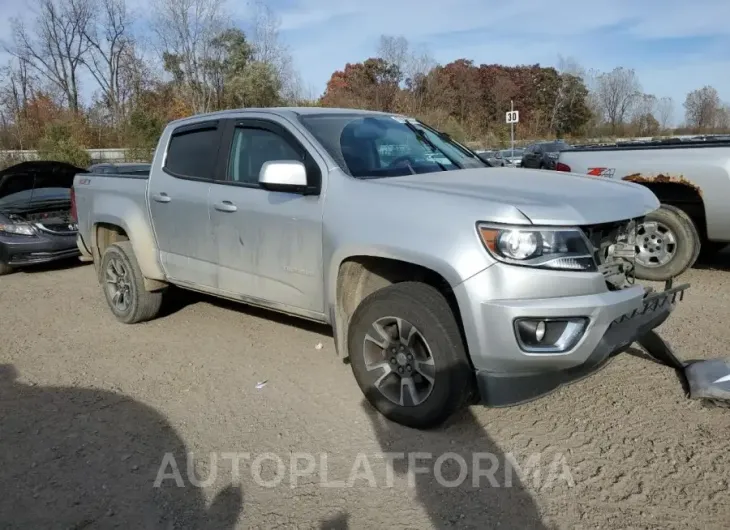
[[671, 143], [100, 197]]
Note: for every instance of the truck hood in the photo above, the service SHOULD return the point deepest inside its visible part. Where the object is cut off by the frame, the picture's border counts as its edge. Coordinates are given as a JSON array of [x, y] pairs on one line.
[[544, 197]]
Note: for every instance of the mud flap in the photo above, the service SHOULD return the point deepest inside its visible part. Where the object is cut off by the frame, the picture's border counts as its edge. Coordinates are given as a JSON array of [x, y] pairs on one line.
[[706, 379]]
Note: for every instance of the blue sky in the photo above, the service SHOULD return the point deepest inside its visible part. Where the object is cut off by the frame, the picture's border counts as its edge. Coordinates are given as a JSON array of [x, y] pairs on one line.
[[674, 45]]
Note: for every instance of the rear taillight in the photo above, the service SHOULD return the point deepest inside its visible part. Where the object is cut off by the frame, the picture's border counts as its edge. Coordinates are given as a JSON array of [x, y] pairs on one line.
[[73, 206], [562, 167]]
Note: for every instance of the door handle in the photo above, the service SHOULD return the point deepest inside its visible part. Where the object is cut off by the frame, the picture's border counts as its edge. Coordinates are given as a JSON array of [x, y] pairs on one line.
[[161, 197], [225, 206]]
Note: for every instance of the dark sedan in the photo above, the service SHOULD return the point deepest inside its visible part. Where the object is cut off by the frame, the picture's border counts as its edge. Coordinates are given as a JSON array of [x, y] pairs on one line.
[[36, 223], [543, 155]]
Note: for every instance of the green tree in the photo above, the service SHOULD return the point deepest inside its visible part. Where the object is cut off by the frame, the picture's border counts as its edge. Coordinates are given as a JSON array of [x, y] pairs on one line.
[[59, 143]]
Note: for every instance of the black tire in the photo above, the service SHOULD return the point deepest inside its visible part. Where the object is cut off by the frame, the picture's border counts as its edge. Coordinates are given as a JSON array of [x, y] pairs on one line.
[[143, 305], [688, 244], [426, 309], [5, 269]]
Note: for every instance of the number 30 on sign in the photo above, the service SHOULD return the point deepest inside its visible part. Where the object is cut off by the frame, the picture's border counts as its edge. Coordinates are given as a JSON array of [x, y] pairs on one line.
[[513, 116]]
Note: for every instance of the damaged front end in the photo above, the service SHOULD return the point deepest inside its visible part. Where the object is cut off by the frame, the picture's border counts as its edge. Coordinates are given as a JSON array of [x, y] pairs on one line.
[[615, 249]]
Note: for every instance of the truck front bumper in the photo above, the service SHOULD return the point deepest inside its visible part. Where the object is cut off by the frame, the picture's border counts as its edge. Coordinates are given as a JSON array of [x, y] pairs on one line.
[[509, 372]]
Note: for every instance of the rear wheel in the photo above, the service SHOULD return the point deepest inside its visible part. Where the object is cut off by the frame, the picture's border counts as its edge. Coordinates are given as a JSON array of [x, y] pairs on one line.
[[123, 286], [407, 355], [5, 269], [667, 244]]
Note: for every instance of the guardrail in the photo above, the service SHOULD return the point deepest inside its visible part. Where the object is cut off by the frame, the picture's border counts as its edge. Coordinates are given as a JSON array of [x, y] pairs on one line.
[[97, 155]]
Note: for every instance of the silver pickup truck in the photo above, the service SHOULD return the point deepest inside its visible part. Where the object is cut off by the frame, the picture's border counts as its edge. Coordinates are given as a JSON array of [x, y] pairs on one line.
[[446, 282], [691, 179]]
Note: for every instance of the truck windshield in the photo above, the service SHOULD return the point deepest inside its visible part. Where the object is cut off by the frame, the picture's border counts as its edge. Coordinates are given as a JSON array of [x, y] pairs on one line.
[[377, 146]]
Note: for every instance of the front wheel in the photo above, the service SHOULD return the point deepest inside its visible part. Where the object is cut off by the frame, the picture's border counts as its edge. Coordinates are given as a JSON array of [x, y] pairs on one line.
[[408, 357], [667, 244], [123, 285]]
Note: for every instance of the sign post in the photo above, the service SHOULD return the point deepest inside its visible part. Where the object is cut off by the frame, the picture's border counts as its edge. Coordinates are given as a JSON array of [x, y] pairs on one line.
[[513, 116]]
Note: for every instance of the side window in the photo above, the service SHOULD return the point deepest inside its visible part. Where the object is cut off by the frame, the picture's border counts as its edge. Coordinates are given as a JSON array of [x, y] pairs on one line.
[[192, 152], [253, 147]]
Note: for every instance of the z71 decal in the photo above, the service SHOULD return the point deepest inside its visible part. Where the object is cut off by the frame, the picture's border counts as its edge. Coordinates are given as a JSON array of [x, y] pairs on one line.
[[601, 172]]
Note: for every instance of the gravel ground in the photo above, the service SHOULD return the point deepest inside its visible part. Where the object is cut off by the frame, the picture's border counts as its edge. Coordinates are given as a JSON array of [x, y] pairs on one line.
[[93, 413]]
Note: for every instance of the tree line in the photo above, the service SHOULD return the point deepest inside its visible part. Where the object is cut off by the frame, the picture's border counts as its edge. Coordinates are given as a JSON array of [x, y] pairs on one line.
[[185, 57]]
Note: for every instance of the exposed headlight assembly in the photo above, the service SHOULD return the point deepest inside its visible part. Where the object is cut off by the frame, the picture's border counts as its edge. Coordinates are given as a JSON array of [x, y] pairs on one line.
[[20, 229], [544, 248]]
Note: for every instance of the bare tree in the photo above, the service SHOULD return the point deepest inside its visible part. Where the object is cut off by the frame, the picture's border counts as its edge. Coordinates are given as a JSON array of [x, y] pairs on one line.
[[617, 92], [185, 30], [702, 107], [569, 71], [16, 91], [109, 42], [723, 118], [268, 48], [55, 46], [394, 50], [644, 105], [665, 112]]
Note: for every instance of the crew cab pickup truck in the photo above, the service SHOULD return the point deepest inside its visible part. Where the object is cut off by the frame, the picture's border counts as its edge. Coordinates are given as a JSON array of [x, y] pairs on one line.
[[446, 282], [691, 180]]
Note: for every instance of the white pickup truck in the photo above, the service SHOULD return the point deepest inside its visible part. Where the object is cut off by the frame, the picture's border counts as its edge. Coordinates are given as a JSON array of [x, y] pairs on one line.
[[691, 179]]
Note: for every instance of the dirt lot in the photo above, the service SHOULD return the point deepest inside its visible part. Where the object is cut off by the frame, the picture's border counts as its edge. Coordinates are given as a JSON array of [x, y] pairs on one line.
[[89, 409]]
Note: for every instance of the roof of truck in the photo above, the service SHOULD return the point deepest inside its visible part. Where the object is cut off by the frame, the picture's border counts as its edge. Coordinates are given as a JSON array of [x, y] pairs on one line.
[[282, 111]]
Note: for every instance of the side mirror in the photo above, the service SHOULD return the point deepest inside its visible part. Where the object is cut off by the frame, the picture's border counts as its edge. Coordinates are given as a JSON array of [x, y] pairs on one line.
[[283, 175]]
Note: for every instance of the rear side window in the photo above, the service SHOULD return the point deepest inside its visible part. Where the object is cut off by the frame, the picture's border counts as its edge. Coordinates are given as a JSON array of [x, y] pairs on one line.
[[192, 152]]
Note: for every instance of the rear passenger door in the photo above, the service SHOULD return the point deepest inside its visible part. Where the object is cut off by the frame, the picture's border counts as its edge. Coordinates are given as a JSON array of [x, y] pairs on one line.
[[268, 243], [178, 198]]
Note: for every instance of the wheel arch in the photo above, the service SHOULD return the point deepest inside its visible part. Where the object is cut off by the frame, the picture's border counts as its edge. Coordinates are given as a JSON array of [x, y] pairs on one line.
[[681, 194], [109, 230], [357, 276]]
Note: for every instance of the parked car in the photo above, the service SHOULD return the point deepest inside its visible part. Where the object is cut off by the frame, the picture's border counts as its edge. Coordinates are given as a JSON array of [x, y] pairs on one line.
[[543, 155], [513, 157], [493, 158], [443, 281], [127, 168], [36, 225], [691, 179]]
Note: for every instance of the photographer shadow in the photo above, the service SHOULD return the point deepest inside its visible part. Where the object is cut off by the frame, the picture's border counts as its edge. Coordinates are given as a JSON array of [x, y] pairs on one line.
[[76, 458], [490, 502]]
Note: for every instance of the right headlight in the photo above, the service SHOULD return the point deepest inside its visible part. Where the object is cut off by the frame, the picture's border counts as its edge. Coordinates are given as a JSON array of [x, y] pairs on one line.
[[544, 248]]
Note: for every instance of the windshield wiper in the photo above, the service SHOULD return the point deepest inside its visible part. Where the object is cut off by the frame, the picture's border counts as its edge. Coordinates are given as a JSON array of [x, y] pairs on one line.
[[422, 137]]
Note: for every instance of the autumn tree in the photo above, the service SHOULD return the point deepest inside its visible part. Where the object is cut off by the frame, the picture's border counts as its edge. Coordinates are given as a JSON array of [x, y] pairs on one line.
[[372, 84]]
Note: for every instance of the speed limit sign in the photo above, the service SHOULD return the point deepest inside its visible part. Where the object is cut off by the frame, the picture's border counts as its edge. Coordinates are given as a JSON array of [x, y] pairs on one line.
[[513, 116]]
